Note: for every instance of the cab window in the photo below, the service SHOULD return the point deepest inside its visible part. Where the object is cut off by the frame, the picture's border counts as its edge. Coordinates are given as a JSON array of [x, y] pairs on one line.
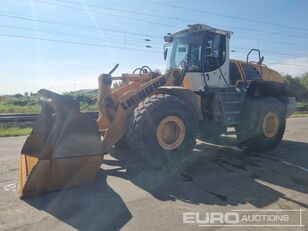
[[214, 53]]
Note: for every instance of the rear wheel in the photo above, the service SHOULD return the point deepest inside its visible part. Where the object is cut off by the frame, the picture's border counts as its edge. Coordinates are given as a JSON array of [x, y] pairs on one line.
[[262, 124], [162, 127]]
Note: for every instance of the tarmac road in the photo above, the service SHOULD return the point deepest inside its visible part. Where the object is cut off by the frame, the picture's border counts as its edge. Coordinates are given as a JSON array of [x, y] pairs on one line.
[[128, 195]]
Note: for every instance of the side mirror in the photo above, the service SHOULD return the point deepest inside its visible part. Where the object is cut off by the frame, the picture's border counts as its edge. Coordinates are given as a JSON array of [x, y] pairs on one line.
[[168, 38]]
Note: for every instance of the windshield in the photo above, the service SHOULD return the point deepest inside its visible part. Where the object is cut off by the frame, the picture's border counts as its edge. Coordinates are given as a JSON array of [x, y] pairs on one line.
[[185, 51]]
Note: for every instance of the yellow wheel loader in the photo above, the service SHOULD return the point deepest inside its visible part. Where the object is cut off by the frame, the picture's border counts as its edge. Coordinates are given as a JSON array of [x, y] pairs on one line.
[[202, 93]]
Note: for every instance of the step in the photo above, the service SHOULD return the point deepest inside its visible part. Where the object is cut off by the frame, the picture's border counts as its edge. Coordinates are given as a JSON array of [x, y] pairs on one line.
[[233, 112], [232, 119], [232, 102], [230, 97], [232, 107]]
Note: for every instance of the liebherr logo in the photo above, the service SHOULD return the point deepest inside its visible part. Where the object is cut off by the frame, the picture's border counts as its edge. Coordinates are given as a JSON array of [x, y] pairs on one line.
[[142, 94]]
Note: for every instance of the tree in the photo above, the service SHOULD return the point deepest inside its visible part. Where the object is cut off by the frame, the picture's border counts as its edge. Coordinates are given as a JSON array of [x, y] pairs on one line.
[[18, 95], [304, 80], [297, 86]]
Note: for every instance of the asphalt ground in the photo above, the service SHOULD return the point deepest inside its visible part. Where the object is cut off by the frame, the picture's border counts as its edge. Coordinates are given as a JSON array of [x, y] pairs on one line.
[[217, 177]]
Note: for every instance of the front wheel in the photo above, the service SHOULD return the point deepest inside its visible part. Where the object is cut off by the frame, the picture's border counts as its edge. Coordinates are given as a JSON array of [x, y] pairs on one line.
[[162, 127], [262, 124]]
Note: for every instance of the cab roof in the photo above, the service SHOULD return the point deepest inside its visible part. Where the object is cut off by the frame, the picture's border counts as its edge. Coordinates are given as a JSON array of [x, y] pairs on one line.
[[202, 27]]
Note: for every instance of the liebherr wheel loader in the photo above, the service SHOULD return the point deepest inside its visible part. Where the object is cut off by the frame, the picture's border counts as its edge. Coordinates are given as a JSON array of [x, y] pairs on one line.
[[202, 93]]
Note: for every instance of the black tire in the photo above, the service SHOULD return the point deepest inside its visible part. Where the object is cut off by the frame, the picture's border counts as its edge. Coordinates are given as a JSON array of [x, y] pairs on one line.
[[250, 132], [144, 121]]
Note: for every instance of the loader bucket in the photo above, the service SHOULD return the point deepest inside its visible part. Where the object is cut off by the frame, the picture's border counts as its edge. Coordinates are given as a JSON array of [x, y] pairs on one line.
[[64, 149]]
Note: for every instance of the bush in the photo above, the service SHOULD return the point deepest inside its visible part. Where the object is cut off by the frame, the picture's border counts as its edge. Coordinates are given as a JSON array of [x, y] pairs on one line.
[[30, 104], [83, 98], [297, 86]]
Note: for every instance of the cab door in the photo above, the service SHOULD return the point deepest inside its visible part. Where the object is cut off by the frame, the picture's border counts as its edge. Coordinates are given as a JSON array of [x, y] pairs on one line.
[[216, 60]]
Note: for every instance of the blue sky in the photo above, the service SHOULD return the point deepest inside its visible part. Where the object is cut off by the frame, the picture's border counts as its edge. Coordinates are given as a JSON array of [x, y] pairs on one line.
[[64, 45]]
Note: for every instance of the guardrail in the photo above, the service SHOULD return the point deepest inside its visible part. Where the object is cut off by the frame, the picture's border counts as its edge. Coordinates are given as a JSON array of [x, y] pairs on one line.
[[31, 117], [302, 108]]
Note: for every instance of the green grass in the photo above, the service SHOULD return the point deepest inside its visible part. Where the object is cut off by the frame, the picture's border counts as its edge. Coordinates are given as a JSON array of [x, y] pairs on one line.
[[30, 104], [300, 114], [88, 107], [19, 109], [19, 105], [15, 131]]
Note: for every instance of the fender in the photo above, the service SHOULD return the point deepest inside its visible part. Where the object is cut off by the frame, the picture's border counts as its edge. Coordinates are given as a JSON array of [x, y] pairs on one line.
[[268, 88], [187, 95], [274, 89]]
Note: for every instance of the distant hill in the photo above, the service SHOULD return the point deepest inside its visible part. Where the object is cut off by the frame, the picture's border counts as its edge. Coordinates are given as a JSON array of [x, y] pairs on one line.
[[82, 91]]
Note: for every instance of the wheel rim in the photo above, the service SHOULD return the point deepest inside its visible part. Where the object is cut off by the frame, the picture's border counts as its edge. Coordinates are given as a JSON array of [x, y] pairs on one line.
[[170, 132], [270, 125]]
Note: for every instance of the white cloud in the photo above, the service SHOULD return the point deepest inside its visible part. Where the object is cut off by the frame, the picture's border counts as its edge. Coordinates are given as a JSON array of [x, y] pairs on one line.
[[294, 66]]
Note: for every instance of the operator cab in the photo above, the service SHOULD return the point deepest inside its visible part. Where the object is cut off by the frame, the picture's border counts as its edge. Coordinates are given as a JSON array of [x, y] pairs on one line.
[[204, 53]]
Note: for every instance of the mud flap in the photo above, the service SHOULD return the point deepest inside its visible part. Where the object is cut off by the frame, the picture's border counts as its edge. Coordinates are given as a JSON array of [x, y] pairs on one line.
[[64, 149]]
